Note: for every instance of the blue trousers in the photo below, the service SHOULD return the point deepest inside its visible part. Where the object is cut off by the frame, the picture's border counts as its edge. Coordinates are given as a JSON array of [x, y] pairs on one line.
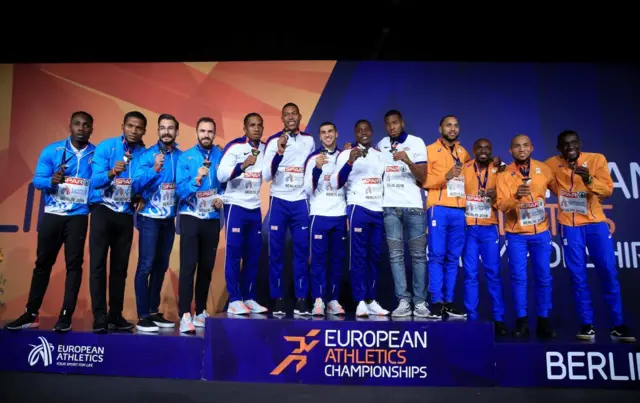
[[396, 221], [155, 243], [295, 216], [243, 229], [539, 248], [446, 241], [597, 238], [366, 235], [483, 241], [328, 243]]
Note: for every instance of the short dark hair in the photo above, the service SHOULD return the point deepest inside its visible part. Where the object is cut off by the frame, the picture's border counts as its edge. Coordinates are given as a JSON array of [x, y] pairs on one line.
[[362, 121], [250, 115], [206, 119], [82, 113], [475, 143], [136, 115], [169, 117], [564, 134], [327, 123], [391, 113], [446, 117], [288, 104]]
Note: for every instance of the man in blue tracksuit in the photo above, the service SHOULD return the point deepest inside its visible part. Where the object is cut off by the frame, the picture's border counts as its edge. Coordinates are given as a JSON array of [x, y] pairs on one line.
[[155, 181], [199, 206], [111, 230], [285, 155], [241, 171], [361, 172], [328, 223], [63, 175]]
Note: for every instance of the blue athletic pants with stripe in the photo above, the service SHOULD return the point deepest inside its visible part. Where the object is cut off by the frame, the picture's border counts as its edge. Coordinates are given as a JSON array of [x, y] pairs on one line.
[[328, 245], [366, 235], [243, 234]]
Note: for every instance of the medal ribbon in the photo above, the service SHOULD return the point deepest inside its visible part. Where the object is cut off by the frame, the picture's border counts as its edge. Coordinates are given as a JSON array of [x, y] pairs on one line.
[[482, 185]]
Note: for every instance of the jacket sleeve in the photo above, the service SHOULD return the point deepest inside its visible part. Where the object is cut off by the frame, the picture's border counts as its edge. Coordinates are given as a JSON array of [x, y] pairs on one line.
[[144, 173], [602, 184], [311, 176], [228, 169], [100, 167], [44, 171], [271, 160], [505, 201], [185, 178], [435, 174]]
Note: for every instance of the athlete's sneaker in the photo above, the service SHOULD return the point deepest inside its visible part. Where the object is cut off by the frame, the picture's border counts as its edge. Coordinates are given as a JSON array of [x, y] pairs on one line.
[[279, 307], [452, 311], [198, 320], [437, 310], [302, 308], [25, 321], [587, 333], [403, 309], [147, 325], [187, 324], [100, 324], [375, 309], [622, 333], [335, 308], [421, 310], [63, 324], [160, 321], [118, 322], [254, 307], [362, 310], [238, 308], [318, 307]]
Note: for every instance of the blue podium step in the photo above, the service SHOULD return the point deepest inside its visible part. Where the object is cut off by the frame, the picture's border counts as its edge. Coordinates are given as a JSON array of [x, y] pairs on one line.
[[380, 351]]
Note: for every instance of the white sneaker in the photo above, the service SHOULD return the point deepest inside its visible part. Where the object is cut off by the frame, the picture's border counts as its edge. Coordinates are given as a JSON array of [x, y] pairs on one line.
[[421, 310], [199, 320], [254, 307], [238, 308], [335, 308], [362, 309], [186, 324], [403, 309], [318, 307], [375, 309]]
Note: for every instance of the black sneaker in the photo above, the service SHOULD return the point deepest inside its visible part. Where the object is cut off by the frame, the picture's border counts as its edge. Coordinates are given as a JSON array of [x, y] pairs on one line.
[[450, 309], [544, 329], [119, 323], [147, 325], [100, 324], [437, 311], [279, 307], [26, 321], [160, 321], [302, 308], [63, 324], [500, 329], [522, 328], [622, 333], [587, 333]]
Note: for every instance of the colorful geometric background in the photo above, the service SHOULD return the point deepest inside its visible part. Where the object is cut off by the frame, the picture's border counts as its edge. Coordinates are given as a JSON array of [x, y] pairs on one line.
[[492, 100], [36, 101]]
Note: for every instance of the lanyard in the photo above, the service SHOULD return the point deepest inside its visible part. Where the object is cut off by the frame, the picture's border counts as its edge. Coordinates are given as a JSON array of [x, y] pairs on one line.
[[206, 153], [525, 170], [63, 163], [455, 157], [482, 185], [394, 146]]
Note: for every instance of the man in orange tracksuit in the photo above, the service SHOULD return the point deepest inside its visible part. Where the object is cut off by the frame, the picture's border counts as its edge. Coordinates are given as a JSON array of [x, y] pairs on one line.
[[445, 212], [521, 197], [582, 180], [483, 236]]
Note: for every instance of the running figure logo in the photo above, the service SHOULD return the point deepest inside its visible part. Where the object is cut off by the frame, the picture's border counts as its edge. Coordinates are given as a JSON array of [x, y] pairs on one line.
[[42, 352], [296, 354]]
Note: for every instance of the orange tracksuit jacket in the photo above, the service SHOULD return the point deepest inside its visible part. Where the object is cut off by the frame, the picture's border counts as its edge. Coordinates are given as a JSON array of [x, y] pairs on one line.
[[514, 210], [439, 161], [569, 184], [473, 177]]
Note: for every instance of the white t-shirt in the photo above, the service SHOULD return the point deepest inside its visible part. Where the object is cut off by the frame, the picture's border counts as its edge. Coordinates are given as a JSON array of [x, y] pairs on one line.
[[400, 188]]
